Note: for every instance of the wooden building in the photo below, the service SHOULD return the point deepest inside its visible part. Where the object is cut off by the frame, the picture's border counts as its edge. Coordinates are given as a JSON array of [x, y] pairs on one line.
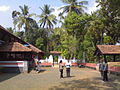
[[15, 52], [106, 50]]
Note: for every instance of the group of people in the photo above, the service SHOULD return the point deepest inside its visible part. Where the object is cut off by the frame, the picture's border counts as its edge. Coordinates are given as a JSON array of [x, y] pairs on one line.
[[61, 67], [103, 68]]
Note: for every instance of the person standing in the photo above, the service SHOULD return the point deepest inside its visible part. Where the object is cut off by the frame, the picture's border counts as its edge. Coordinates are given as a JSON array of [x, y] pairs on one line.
[[61, 66], [101, 67], [35, 62], [38, 66], [105, 71], [68, 64]]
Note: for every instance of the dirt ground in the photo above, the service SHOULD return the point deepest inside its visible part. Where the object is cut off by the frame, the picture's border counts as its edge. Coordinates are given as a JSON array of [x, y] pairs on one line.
[[48, 79]]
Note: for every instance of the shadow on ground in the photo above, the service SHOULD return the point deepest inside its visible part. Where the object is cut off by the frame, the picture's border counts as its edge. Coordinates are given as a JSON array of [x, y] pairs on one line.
[[6, 76], [33, 69], [89, 84], [42, 70], [68, 77]]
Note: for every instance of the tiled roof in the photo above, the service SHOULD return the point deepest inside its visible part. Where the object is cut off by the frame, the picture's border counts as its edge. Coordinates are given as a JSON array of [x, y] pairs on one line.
[[11, 35], [109, 49], [55, 52], [14, 47], [34, 49]]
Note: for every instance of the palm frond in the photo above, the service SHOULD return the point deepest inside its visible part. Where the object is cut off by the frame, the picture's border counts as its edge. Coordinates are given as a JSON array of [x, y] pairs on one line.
[[30, 15], [15, 13], [83, 3], [46, 18], [65, 1]]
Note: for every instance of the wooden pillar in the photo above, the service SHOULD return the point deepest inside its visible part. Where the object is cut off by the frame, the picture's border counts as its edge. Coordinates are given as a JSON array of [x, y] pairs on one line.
[[53, 59], [105, 58], [98, 58], [114, 58]]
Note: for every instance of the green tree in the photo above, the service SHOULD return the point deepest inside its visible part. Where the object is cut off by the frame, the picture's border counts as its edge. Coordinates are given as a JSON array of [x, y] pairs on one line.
[[19, 34], [97, 29], [76, 24], [73, 6], [33, 33], [22, 18], [76, 27], [55, 42], [10, 29], [107, 40], [40, 43], [47, 19], [111, 12], [69, 46], [87, 47]]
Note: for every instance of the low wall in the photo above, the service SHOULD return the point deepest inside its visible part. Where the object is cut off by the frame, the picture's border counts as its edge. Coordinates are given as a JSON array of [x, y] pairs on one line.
[[110, 68], [114, 69], [75, 64], [46, 64], [92, 65], [14, 66], [51, 64]]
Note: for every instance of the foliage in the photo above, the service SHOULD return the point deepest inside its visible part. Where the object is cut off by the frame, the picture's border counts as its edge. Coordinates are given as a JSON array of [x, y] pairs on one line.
[[111, 12], [46, 18], [22, 18], [19, 34], [96, 29], [73, 6], [69, 43], [76, 24], [39, 43], [10, 29], [79, 33]]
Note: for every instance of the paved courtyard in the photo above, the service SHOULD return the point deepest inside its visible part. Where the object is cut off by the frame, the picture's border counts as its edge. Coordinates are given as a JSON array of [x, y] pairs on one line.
[[48, 79]]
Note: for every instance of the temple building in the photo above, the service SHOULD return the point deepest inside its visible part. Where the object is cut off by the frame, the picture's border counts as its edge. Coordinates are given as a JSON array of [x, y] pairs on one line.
[[16, 55]]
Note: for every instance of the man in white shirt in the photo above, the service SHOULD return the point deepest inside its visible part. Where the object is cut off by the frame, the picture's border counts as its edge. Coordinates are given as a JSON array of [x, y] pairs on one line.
[[68, 64], [105, 71]]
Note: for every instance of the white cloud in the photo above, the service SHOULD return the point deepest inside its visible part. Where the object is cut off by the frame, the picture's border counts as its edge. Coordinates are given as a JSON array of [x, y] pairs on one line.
[[57, 11], [92, 8], [4, 8]]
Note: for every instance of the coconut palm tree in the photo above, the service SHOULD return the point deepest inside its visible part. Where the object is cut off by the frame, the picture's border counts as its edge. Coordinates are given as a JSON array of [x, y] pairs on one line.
[[47, 19], [22, 18], [73, 6]]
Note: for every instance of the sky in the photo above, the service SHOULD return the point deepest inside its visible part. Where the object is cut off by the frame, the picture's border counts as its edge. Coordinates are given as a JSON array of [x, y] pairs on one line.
[[8, 6]]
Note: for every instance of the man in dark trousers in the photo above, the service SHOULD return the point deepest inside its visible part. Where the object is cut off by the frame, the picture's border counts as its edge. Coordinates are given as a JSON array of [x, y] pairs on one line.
[[101, 67], [105, 71], [68, 64], [61, 65]]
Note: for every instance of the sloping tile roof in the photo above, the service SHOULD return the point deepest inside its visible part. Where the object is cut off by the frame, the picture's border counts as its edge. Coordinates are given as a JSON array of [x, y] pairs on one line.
[[55, 52], [14, 47], [34, 49], [109, 49], [11, 35]]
